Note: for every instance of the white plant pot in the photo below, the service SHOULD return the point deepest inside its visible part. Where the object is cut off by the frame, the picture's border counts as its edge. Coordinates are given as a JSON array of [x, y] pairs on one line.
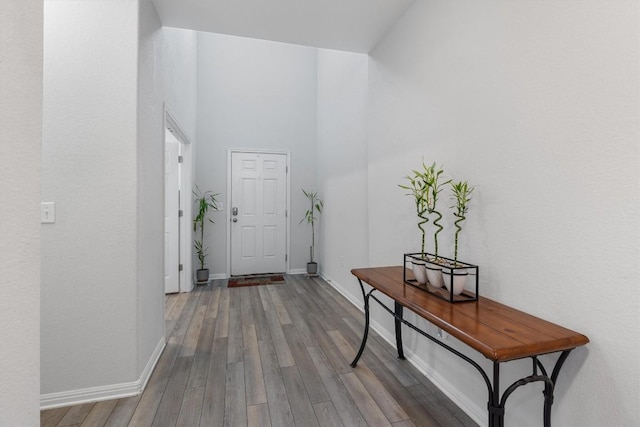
[[434, 274], [419, 271], [457, 278]]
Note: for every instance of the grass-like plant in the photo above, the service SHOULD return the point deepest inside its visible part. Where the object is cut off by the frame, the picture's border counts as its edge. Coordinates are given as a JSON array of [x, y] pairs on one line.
[[418, 190], [432, 176], [462, 196], [316, 205], [205, 202]]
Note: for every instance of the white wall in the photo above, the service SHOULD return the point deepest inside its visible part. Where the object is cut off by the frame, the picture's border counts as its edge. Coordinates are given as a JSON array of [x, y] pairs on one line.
[[102, 311], [342, 165], [255, 94], [536, 103], [89, 254], [180, 76], [20, 159], [150, 198]]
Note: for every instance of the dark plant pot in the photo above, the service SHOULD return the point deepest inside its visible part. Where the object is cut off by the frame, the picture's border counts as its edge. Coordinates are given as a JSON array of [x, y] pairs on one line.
[[202, 276], [312, 268]]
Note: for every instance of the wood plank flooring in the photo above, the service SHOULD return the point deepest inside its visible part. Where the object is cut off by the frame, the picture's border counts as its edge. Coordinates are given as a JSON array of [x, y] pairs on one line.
[[274, 355]]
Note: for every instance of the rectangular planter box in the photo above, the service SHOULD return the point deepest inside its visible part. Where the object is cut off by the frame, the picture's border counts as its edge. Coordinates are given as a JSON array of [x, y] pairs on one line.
[[450, 280]]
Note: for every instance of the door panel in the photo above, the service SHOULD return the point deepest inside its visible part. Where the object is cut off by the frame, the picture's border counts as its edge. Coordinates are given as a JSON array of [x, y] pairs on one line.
[[270, 240], [258, 231], [171, 220], [248, 206], [249, 243]]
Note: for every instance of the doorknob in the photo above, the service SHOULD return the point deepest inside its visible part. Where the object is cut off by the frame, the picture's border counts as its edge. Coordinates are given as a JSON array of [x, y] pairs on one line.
[[235, 219]]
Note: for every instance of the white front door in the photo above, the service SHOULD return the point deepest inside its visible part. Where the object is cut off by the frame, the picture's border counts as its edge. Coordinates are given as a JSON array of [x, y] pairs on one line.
[[171, 219], [258, 213]]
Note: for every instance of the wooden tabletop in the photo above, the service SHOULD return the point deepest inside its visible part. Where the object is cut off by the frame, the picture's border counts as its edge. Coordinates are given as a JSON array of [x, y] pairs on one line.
[[499, 332]]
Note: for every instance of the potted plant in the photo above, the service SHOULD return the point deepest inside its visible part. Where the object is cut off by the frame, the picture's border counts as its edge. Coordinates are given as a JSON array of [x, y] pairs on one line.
[[205, 202], [432, 178], [315, 207], [462, 196], [426, 186], [418, 190]]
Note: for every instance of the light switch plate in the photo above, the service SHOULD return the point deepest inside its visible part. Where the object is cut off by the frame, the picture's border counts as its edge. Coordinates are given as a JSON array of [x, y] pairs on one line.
[[48, 213]]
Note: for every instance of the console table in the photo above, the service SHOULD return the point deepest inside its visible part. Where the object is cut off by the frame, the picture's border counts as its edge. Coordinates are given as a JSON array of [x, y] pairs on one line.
[[498, 332]]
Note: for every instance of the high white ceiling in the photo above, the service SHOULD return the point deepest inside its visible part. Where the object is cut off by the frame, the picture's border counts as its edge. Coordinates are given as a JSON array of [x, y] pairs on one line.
[[351, 25]]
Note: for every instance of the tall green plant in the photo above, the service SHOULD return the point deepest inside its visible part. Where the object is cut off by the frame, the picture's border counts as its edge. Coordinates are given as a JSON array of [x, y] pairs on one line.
[[315, 206], [462, 196], [418, 189], [432, 176], [205, 202]]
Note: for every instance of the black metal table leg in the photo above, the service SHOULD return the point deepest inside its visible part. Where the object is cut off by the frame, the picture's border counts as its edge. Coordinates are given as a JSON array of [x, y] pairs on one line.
[[549, 388], [496, 410], [398, 319], [365, 296]]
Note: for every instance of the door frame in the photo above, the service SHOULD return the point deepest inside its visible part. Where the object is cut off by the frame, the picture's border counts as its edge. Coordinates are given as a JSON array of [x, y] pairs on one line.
[[172, 124], [287, 239]]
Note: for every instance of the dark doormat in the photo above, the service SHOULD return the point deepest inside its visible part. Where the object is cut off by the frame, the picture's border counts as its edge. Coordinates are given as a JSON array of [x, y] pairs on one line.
[[270, 279]]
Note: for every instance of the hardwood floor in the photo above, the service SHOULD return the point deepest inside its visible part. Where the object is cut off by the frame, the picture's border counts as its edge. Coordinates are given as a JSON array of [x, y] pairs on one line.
[[274, 355]]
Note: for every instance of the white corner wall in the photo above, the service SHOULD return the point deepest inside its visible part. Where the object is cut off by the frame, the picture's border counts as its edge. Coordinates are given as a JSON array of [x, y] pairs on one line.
[[150, 191], [102, 261], [20, 159], [535, 103], [255, 94], [89, 270], [342, 166]]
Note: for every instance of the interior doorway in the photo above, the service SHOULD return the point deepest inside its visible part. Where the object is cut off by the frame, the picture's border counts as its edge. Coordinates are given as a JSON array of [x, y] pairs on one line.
[[258, 215], [178, 207]]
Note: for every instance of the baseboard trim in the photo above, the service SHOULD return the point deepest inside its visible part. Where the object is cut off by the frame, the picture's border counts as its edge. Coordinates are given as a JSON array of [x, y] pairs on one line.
[[217, 276], [298, 271], [108, 392], [152, 362], [468, 406]]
